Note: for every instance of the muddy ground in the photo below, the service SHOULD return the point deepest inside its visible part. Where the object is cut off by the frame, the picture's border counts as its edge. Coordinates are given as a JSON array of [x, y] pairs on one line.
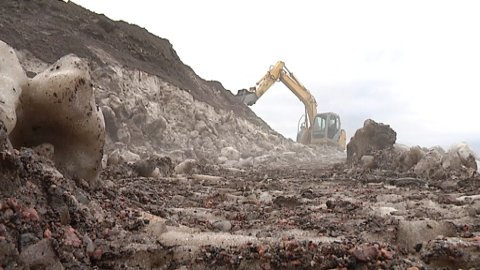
[[311, 216]]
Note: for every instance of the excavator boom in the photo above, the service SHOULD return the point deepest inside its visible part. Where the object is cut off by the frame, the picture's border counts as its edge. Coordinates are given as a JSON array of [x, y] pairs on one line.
[[251, 95], [303, 94], [327, 130], [279, 72]]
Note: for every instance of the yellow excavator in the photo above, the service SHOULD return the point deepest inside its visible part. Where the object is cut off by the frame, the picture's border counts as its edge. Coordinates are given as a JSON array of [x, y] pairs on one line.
[[316, 128]]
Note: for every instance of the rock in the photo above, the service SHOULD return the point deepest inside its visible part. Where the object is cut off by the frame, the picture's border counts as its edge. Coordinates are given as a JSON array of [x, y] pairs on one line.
[[430, 166], [245, 162], [157, 127], [71, 238], [122, 156], [222, 159], [3, 230], [466, 155], [52, 171], [365, 253], [178, 155], [104, 161], [408, 159], [97, 254], [12, 81], [186, 167], [89, 245], [30, 214], [287, 201], [341, 205], [449, 185], [27, 239], [368, 161], [411, 233], [145, 167], [8, 252], [58, 107], [262, 159], [460, 160], [406, 181], [452, 253], [5, 144], [109, 184], [230, 164], [230, 152], [40, 256], [47, 233], [468, 198], [9, 99], [373, 136], [111, 125], [222, 225], [156, 227], [123, 134], [265, 198], [201, 126], [384, 211], [156, 173], [10, 65], [114, 158], [289, 156], [12, 203], [129, 157], [211, 179], [164, 165]]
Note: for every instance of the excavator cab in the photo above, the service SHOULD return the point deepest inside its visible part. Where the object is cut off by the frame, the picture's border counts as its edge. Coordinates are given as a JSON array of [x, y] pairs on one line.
[[326, 125], [327, 130]]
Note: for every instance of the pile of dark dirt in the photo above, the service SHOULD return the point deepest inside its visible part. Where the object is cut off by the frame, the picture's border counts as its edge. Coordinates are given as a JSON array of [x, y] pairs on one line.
[[371, 137]]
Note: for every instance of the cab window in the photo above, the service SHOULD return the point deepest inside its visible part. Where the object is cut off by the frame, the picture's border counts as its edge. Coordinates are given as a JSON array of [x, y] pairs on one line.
[[319, 126], [333, 126]]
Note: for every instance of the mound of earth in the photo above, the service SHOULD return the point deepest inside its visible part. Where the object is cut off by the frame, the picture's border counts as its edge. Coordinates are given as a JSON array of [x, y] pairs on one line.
[[152, 103]]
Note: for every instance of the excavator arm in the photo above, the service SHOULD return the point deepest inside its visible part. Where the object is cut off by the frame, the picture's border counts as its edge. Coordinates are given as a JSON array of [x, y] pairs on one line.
[[303, 94], [327, 129], [279, 72]]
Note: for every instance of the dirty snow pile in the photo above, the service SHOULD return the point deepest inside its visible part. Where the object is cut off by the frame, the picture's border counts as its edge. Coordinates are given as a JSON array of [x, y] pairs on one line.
[[54, 111], [373, 146], [145, 116]]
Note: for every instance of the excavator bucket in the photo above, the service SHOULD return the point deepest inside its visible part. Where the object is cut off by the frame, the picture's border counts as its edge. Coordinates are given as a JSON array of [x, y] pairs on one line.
[[247, 97]]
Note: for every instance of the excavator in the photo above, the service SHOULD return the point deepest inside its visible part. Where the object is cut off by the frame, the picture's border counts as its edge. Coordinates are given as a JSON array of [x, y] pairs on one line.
[[316, 128]]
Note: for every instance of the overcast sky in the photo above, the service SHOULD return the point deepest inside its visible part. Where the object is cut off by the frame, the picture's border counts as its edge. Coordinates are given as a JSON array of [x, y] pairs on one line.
[[412, 64]]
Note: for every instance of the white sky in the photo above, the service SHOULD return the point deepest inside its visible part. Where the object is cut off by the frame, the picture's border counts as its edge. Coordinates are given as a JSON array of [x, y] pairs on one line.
[[412, 64]]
